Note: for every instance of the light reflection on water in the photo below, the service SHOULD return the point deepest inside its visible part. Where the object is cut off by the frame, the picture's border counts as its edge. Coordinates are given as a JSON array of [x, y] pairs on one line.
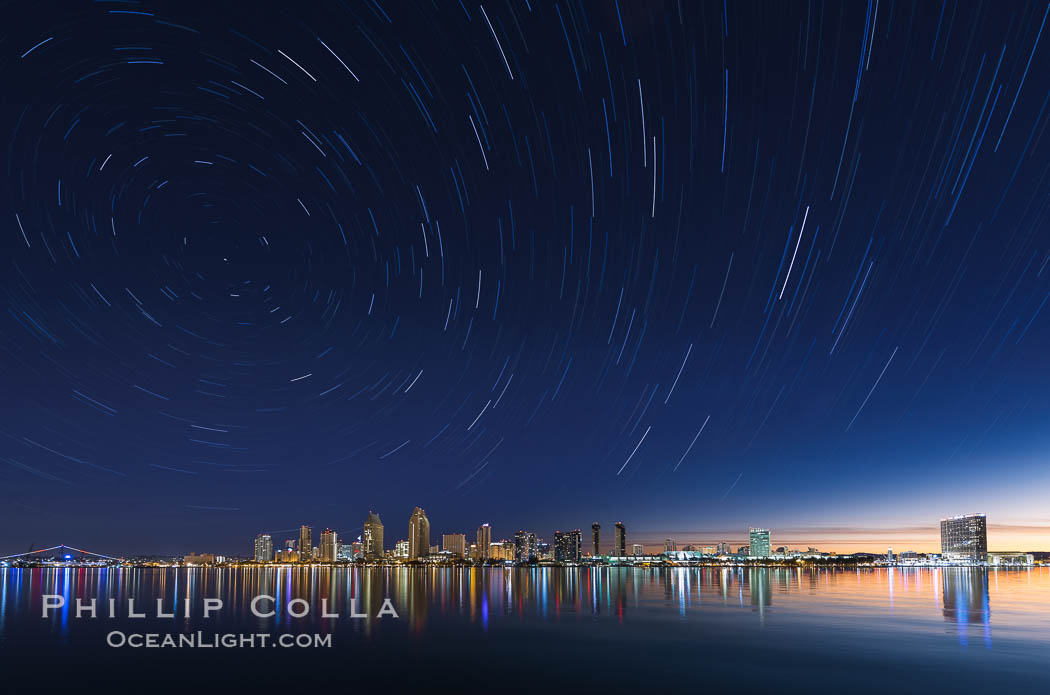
[[976, 619]]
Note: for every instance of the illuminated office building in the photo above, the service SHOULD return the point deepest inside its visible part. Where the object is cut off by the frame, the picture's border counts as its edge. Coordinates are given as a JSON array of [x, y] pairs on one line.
[[454, 543], [401, 549], [305, 542], [620, 540], [329, 547], [759, 538], [525, 546], [372, 537], [263, 548], [484, 539], [567, 546], [965, 537], [596, 539], [418, 534]]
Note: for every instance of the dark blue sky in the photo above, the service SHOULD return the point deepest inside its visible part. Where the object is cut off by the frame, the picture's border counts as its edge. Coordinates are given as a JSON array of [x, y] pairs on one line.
[[691, 266]]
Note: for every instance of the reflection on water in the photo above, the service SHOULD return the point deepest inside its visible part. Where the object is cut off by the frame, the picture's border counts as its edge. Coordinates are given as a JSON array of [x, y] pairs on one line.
[[481, 596], [796, 620]]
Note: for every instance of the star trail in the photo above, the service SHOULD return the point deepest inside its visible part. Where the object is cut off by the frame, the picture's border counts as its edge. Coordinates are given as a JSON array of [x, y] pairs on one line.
[[533, 263]]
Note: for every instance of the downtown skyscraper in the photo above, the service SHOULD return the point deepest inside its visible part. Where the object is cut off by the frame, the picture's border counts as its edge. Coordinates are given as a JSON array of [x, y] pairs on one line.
[[620, 540], [305, 542], [567, 546], [418, 534], [329, 548], [965, 537], [263, 548], [372, 536], [484, 539]]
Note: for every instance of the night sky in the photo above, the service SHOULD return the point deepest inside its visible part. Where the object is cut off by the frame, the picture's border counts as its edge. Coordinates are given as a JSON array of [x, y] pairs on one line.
[[690, 266]]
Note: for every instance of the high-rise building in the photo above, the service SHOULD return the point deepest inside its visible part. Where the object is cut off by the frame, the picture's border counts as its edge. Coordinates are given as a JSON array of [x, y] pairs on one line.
[[418, 534], [724, 549], [759, 538], [567, 545], [401, 549], [525, 546], [670, 545], [965, 537], [357, 549], [263, 548], [596, 539], [454, 543], [484, 539], [372, 537], [620, 540], [305, 543], [637, 549], [329, 547], [346, 552]]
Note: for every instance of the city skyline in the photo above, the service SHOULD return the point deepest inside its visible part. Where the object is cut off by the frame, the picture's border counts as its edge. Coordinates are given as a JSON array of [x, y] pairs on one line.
[[699, 269]]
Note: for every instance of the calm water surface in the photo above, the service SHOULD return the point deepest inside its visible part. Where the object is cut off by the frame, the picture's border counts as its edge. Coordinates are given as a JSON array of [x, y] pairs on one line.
[[523, 629]]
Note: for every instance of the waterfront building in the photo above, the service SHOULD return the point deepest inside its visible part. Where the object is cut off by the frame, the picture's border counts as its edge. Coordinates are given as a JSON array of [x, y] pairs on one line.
[[525, 546], [329, 547], [418, 534], [372, 538], [199, 559], [484, 540], [305, 542], [743, 550], [401, 549], [759, 538], [965, 537], [346, 551], [263, 548], [454, 543], [637, 549], [567, 546], [670, 545], [502, 551], [286, 555], [620, 540], [1010, 558], [596, 538], [357, 549], [724, 549]]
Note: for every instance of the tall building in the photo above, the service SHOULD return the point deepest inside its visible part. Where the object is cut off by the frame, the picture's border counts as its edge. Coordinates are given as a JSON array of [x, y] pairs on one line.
[[759, 538], [372, 537], [965, 537], [418, 534], [305, 543], [620, 540], [454, 543], [637, 549], [724, 549], [263, 548], [484, 539], [596, 539], [329, 547], [525, 546], [568, 545], [670, 545]]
